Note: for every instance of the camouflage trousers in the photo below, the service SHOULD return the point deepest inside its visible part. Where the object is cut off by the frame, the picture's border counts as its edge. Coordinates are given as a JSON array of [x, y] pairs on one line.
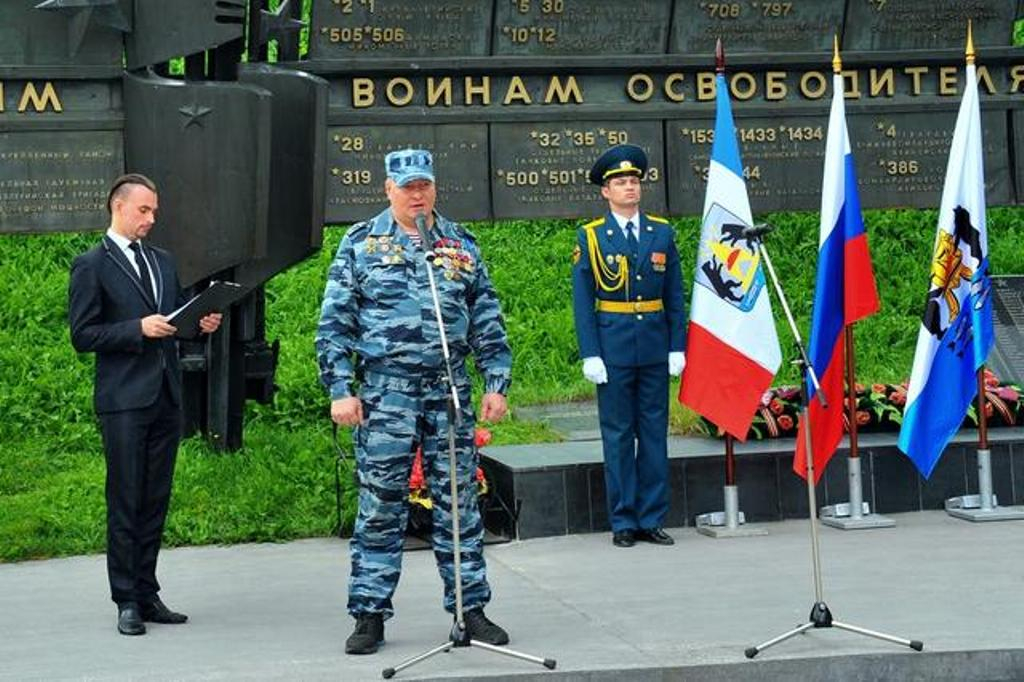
[[398, 413]]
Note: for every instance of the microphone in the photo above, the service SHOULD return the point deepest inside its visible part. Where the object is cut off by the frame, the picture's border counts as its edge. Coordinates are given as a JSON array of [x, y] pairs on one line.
[[421, 226], [757, 231]]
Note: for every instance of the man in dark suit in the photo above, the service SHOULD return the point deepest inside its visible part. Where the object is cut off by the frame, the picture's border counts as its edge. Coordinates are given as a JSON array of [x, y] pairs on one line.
[[120, 294], [630, 324]]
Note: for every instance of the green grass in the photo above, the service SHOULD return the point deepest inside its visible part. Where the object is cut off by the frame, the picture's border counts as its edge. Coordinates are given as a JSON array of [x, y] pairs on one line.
[[281, 484]]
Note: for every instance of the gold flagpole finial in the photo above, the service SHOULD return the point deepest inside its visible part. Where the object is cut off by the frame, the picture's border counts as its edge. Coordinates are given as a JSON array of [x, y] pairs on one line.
[[837, 62], [970, 43]]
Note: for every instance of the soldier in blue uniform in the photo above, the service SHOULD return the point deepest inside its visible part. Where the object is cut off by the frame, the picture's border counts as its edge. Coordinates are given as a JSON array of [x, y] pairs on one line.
[[378, 327], [630, 324]]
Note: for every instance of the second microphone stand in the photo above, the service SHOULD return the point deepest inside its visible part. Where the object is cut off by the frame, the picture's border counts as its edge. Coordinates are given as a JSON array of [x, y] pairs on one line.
[[821, 616], [459, 636]]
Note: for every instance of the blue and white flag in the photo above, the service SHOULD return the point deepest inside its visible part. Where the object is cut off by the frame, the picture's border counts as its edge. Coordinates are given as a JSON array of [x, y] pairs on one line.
[[956, 333]]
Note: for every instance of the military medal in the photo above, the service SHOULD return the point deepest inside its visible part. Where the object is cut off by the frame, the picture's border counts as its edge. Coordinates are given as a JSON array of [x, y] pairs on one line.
[[658, 261]]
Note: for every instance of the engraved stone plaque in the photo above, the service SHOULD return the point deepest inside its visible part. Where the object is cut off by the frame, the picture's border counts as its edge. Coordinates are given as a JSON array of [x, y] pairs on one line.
[[927, 24], [1007, 357], [31, 37], [755, 25], [56, 181], [900, 156], [1017, 155], [355, 168], [581, 27], [343, 29], [782, 161], [540, 170]]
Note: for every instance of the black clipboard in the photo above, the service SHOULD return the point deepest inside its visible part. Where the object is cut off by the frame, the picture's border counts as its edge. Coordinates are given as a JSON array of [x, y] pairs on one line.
[[214, 299]]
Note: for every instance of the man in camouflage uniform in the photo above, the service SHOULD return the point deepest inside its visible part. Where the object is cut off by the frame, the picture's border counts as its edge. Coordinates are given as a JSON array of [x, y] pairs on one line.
[[378, 308]]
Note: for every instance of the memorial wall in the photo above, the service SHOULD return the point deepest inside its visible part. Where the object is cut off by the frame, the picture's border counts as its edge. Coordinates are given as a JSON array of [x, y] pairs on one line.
[[517, 99]]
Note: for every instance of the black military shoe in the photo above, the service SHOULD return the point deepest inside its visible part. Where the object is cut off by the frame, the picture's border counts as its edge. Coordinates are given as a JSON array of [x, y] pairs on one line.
[[623, 538], [156, 611], [368, 635], [129, 620], [655, 535], [480, 628]]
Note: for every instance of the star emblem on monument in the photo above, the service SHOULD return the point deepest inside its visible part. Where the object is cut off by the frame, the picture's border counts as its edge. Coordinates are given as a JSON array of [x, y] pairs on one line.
[[82, 13], [278, 23], [194, 113]]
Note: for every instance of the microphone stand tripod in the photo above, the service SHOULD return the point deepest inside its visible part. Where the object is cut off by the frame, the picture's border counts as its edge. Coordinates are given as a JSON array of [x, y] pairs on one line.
[[820, 616], [459, 636]]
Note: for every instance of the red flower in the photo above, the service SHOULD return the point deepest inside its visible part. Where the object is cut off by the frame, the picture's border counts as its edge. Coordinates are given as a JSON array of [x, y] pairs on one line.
[[878, 388], [990, 378], [1007, 393], [479, 475], [775, 406], [416, 480], [863, 417], [482, 437], [989, 410], [785, 422], [859, 388], [898, 398]]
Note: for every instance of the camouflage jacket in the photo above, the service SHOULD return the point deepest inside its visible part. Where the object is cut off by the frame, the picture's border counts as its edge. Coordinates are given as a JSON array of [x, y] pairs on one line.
[[377, 307]]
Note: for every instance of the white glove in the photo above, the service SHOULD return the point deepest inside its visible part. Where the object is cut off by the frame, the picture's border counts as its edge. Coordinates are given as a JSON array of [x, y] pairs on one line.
[[594, 370], [676, 363]]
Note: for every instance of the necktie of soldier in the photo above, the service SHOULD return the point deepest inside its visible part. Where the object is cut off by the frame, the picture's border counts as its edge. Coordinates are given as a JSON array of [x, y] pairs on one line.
[[140, 261], [634, 245]]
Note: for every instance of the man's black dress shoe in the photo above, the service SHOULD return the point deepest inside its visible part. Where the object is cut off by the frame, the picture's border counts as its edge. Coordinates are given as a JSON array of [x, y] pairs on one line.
[[129, 620], [655, 535], [623, 538], [156, 611]]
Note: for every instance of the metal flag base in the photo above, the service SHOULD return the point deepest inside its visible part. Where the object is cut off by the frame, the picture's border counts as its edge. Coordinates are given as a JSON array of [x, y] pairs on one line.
[[969, 508], [728, 523], [984, 506], [459, 638], [855, 514], [821, 617]]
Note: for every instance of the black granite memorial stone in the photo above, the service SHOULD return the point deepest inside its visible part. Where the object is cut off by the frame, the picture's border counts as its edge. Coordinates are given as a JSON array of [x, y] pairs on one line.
[[779, 154], [755, 25], [540, 169], [213, 206], [164, 30], [75, 38], [298, 137], [355, 168], [581, 27], [1007, 357], [901, 158], [927, 24], [344, 29]]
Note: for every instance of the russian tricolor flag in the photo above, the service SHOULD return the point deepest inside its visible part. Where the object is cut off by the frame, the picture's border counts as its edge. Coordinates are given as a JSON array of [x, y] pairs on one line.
[[845, 291], [732, 347]]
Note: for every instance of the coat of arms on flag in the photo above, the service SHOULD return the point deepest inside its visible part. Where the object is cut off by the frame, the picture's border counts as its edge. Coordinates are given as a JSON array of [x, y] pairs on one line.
[[727, 261]]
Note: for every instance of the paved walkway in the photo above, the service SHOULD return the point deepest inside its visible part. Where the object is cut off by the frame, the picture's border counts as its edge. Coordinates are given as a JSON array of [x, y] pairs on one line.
[[646, 613]]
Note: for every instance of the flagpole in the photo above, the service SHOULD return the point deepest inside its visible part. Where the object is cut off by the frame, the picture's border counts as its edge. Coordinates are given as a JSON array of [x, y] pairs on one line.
[[853, 515], [727, 523], [983, 506], [730, 522], [820, 616]]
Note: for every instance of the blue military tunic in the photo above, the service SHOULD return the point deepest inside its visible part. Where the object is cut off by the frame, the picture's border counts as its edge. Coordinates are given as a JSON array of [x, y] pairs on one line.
[[629, 311], [378, 325]]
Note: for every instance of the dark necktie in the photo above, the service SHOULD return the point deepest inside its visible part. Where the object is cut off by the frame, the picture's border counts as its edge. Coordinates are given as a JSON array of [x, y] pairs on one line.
[[140, 261], [634, 246]]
